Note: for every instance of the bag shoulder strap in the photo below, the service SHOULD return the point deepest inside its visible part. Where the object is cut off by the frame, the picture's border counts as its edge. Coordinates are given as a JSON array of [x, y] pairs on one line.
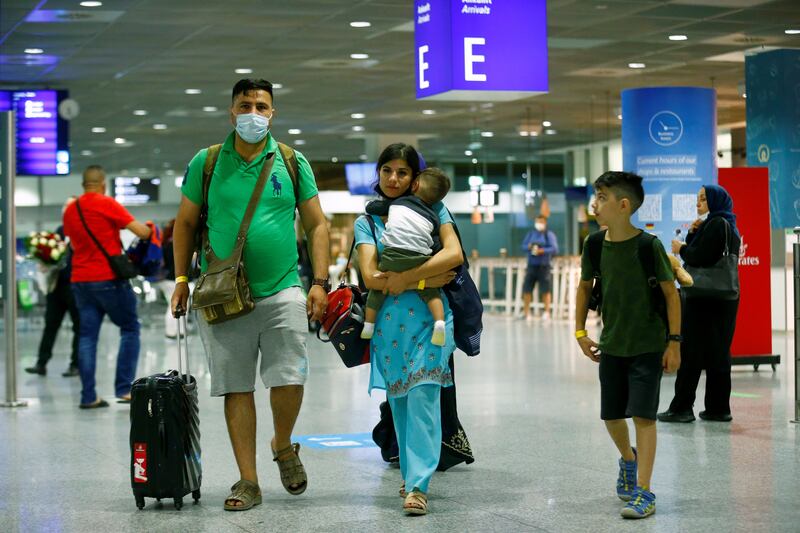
[[293, 167], [460, 242], [86, 227], [595, 246], [648, 258], [212, 154]]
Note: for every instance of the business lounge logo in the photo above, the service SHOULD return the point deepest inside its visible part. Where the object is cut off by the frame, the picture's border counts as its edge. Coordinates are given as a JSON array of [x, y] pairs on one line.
[[747, 260]]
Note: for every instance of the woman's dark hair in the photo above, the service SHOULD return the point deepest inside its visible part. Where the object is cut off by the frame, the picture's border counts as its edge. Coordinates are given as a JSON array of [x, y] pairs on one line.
[[246, 85], [403, 151]]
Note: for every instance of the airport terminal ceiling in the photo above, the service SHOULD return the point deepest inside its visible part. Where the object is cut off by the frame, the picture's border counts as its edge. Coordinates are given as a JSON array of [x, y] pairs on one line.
[[129, 64]]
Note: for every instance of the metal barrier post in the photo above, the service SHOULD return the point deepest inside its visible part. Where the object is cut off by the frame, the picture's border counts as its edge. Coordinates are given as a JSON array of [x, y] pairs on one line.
[[796, 255], [8, 245]]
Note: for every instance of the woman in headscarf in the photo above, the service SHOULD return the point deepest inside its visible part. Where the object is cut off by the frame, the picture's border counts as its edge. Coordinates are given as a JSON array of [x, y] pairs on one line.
[[708, 323]]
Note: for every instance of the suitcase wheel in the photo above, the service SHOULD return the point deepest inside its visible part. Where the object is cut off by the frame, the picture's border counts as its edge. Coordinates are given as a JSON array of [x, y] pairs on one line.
[[178, 503], [140, 502], [196, 494]]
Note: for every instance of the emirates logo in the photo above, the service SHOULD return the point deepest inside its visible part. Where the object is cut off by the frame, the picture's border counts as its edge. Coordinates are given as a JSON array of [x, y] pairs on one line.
[[744, 259]]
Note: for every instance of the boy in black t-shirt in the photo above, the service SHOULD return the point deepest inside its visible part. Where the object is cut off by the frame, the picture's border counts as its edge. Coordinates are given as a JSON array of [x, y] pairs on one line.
[[634, 346]]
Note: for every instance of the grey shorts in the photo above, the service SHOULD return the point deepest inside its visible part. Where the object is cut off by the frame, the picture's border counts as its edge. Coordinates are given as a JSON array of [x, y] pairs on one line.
[[277, 328]]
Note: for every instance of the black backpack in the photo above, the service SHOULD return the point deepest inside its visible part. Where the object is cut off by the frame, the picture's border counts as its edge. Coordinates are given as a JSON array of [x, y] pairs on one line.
[[465, 302], [648, 261]]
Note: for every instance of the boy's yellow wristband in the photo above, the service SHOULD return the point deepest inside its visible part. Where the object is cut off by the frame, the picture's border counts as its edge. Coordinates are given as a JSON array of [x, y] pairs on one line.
[[581, 333], [182, 279], [421, 285]]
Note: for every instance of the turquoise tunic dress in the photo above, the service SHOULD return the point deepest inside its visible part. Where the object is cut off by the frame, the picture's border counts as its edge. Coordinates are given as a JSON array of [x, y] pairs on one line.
[[402, 356]]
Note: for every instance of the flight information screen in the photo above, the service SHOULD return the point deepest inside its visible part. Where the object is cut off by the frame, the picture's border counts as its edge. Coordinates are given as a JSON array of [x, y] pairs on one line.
[[42, 135]]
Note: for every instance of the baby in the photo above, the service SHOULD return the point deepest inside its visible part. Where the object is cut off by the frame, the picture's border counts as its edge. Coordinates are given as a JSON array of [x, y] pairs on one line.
[[411, 238]]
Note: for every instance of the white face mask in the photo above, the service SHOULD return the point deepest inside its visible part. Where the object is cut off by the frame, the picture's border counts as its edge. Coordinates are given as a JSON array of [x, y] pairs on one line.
[[539, 226], [703, 217], [252, 127]]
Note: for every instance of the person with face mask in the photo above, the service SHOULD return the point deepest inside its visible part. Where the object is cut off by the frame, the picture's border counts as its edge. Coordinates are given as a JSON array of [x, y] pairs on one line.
[[540, 245], [277, 327], [708, 323]]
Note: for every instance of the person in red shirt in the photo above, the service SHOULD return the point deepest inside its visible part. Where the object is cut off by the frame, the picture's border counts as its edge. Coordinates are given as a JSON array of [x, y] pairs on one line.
[[96, 288]]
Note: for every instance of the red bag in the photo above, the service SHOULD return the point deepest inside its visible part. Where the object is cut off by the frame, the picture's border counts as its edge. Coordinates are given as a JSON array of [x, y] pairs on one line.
[[343, 321]]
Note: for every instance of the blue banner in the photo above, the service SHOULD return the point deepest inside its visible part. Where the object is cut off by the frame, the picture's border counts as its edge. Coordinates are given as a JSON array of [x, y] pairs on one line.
[[773, 129], [335, 442], [669, 137]]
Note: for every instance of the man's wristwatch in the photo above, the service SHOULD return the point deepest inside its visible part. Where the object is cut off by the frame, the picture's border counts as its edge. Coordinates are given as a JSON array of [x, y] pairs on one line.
[[322, 282], [676, 338]]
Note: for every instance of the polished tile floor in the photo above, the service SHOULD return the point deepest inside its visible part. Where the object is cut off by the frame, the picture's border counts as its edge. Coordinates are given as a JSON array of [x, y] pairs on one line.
[[529, 403]]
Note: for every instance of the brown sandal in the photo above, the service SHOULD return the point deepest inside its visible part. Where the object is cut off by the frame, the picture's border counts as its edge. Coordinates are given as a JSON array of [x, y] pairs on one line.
[[402, 490], [292, 470], [416, 503], [246, 492]]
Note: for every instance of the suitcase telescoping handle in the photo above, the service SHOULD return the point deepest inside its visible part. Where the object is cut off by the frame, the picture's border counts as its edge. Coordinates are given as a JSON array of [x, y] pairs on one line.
[[183, 339]]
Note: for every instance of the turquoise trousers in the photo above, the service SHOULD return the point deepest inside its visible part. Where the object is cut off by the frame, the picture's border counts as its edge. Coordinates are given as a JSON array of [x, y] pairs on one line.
[[418, 425]]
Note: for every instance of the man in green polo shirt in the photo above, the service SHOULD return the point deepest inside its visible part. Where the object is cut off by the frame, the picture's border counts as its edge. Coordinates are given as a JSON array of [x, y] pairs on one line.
[[277, 327]]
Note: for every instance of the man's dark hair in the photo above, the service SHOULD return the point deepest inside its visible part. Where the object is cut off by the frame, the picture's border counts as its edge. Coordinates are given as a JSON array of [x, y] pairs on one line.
[[623, 185], [433, 185], [245, 85], [403, 151], [541, 217]]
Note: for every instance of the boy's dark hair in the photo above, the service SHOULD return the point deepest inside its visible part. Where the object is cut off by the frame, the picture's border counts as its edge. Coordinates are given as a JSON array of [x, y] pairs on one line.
[[541, 217], [433, 185], [245, 85], [623, 185]]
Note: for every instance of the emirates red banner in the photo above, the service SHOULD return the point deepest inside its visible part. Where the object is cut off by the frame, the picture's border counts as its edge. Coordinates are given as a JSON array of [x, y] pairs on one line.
[[749, 188]]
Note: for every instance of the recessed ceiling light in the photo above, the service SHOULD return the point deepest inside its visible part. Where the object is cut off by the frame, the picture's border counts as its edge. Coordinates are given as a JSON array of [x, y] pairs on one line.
[[474, 161], [550, 132], [358, 115], [524, 133], [678, 37], [210, 109], [87, 153], [359, 56], [34, 51], [295, 131], [120, 140], [534, 134], [98, 129], [636, 65], [547, 123], [334, 159], [792, 32], [193, 91], [428, 111], [467, 153], [140, 112], [277, 86], [487, 134], [360, 24], [358, 128], [91, 4], [299, 142], [243, 71], [363, 157], [159, 126]]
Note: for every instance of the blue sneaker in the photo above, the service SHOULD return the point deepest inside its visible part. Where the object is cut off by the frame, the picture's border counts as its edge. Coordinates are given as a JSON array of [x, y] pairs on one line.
[[626, 482], [642, 504]]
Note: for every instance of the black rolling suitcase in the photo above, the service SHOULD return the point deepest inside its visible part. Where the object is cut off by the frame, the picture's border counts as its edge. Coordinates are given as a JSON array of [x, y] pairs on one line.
[[165, 434]]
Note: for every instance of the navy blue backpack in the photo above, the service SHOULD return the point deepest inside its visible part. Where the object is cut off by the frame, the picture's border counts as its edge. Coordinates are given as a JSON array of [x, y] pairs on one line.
[[464, 300]]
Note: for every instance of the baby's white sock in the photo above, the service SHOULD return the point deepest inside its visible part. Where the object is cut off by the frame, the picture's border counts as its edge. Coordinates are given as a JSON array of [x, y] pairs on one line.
[[369, 327], [438, 336]]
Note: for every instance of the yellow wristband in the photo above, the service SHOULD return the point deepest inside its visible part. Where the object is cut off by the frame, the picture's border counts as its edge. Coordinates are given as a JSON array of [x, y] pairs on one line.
[[421, 285], [182, 279], [581, 333]]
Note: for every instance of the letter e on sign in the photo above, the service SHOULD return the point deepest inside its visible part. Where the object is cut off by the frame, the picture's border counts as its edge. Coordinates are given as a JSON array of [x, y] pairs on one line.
[[423, 66], [470, 59]]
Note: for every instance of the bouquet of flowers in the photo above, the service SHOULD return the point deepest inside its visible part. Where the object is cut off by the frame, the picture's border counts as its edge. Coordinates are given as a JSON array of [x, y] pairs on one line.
[[46, 247]]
